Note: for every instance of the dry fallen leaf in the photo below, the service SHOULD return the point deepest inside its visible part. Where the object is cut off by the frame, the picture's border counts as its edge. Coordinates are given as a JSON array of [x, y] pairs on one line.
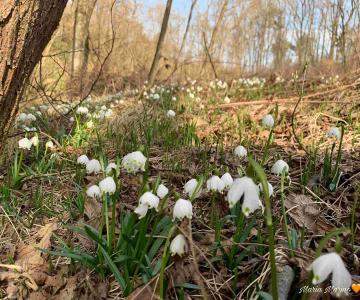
[[30, 264], [305, 212]]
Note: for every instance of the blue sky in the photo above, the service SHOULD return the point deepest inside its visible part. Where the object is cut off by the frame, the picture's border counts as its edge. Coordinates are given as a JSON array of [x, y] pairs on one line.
[[181, 6]]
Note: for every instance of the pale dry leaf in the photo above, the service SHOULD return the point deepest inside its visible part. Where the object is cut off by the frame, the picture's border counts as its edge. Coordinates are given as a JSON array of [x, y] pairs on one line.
[[69, 291], [305, 212], [29, 256], [30, 263]]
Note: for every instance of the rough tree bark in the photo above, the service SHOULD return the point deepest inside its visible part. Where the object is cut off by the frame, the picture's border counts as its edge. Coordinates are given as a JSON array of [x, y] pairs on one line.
[[25, 29], [155, 63]]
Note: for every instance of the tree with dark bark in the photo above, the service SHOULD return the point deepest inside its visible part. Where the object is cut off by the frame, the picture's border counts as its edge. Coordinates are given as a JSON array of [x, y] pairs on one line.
[[26, 28]]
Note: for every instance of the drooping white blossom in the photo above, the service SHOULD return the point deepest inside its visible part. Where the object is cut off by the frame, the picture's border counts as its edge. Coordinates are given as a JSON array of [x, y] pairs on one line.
[[279, 166], [190, 188], [331, 263], [162, 191], [334, 132], [178, 245], [182, 209], [93, 191], [270, 188], [149, 199], [82, 110], [134, 162], [240, 151], [110, 167], [107, 185], [268, 121], [141, 210], [82, 160], [215, 184], [93, 166], [227, 179], [246, 188], [25, 143], [170, 113], [50, 145]]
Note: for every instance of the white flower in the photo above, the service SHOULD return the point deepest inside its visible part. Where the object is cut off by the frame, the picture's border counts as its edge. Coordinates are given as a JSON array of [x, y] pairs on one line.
[[178, 245], [334, 132], [279, 166], [35, 140], [93, 166], [268, 121], [93, 191], [226, 100], [156, 96], [110, 167], [182, 209], [134, 162], [190, 188], [141, 210], [331, 263], [25, 143], [107, 185], [170, 113], [30, 117], [162, 191], [82, 160], [227, 179], [82, 110], [90, 124], [246, 187], [270, 188], [108, 113], [173, 98], [149, 199], [49, 144], [22, 117], [215, 184], [240, 151]]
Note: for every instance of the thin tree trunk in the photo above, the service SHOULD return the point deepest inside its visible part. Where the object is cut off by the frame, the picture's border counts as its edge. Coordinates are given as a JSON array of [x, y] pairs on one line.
[[155, 62], [26, 28], [176, 65], [83, 12], [214, 33]]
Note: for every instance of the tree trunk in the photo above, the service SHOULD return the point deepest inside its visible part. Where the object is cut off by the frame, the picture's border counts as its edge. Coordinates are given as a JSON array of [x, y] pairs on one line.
[[26, 28], [155, 63], [83, 13]]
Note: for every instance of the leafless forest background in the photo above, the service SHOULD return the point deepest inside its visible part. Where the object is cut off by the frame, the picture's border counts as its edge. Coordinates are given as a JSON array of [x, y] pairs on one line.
[[227, 39]]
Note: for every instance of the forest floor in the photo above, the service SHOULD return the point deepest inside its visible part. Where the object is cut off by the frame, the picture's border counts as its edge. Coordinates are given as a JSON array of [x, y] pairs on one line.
[[47, 252]]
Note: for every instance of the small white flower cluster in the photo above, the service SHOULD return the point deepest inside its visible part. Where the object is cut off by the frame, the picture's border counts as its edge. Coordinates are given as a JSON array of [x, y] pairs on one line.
[[149, 200], [217, 184], [106, 186], [250, 82], [93, 166], [26, 143], [132, 163], [26, 118], [218, 84]]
